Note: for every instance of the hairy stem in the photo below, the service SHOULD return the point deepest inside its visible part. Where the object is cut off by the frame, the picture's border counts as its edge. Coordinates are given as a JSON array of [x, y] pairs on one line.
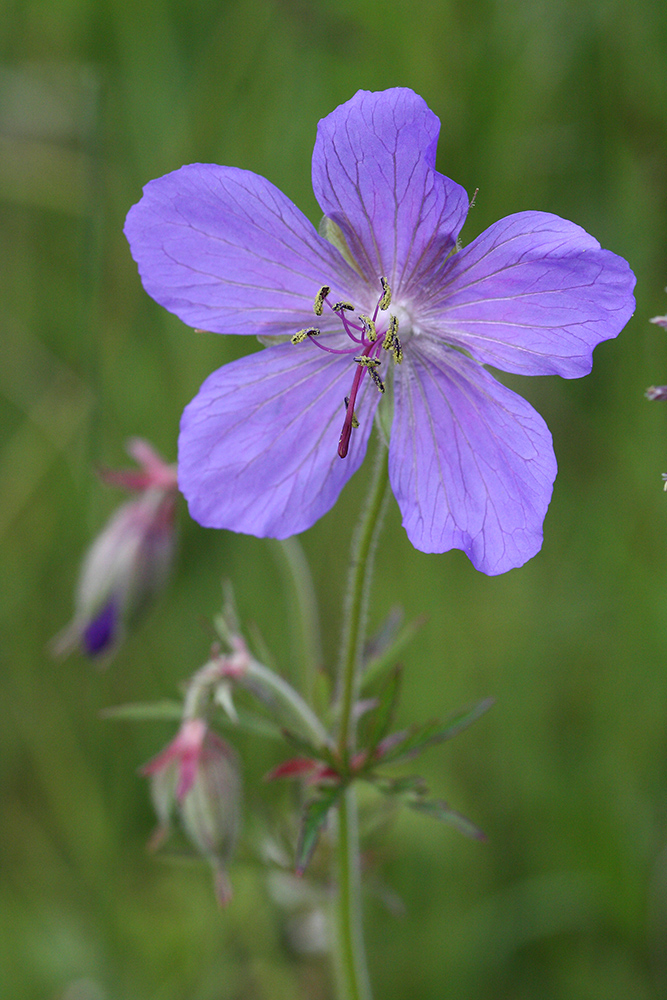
[[352, 973], [356, 602]]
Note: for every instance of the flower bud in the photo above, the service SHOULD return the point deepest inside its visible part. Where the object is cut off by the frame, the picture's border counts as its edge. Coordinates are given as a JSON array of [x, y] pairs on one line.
[[129, 561], [197, 776]]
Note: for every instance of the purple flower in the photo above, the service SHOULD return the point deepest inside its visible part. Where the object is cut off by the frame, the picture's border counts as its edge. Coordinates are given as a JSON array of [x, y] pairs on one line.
[[471, 463]]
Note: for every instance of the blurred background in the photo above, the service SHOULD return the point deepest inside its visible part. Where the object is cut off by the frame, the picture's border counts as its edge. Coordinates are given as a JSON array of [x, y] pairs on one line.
[[559, 106]]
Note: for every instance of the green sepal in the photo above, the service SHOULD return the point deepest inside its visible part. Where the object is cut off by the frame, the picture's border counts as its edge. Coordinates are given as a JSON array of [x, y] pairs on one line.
[[418, 739], [313, 819], [438, 809], [156, 711]]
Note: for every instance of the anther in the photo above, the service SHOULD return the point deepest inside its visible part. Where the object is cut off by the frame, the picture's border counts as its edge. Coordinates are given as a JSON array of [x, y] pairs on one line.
[[397, 350], [338, 306], [379, 384], [301, 335], [392, 332], [385, 301], [318, 304], [369, 327], [366, 362], [354, 421]]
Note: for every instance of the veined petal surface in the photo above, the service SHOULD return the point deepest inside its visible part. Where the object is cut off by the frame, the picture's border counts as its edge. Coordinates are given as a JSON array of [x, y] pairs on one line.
[[374, 175], [226, 251], [533, 294], [471, 463], [258, 444]]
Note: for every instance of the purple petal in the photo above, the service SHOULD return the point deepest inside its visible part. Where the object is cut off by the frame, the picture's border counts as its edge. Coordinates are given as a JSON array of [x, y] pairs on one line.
[[533, 294], [100, 632], [228, 252], [258, 444], [471, 463], [374, 175]]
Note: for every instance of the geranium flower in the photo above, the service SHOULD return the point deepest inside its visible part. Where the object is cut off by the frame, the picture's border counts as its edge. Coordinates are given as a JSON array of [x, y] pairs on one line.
[[401, 319]]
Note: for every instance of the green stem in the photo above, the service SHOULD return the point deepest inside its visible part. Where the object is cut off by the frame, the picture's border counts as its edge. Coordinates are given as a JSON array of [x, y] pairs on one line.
[[352, 973], [361, 570]]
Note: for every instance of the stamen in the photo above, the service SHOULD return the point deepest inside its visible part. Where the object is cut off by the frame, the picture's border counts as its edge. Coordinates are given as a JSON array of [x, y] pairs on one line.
[[354, 422], [391, 334], [365, 362], [318, 304], [397, 350], [379, 384], [301, 335], [369, 328], [385, 301], [342, 305]]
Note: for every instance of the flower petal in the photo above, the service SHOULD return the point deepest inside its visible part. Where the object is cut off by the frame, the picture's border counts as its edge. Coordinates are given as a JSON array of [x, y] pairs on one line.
[[533, 294], [258, 444], [228, 252], [471, 463], [374, 175]]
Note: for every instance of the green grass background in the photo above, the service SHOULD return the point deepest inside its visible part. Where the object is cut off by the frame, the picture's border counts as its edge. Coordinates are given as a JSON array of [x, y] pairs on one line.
[[559, 106]]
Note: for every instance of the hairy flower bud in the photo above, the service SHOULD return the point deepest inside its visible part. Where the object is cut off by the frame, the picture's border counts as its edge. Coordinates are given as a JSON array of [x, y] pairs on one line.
[[196, 776], [129, 561]]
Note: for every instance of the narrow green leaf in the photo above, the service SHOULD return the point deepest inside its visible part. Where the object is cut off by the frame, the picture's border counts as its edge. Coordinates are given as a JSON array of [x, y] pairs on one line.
[[381, 717], [438, 809], [314, 817], [307, 749], [409, 784], [420, 738], [386, 655], [150, 711]]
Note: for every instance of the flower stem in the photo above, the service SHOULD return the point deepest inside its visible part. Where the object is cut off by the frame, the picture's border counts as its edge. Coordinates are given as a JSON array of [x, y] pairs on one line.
[[359, 579], [352, 973]]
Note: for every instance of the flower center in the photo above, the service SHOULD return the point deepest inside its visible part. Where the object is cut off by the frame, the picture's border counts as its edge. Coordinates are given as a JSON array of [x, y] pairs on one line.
[[368, 336]]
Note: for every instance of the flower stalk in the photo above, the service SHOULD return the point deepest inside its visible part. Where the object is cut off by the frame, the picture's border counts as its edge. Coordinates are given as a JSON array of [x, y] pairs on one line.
[[352, 972]]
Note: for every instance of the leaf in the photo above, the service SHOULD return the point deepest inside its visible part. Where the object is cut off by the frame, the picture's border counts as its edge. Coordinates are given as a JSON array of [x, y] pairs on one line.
[[410, 784], [143, 712], [381, 717], [386, 656], [440, 810], [418, 739], [307, 749], [314, 817]]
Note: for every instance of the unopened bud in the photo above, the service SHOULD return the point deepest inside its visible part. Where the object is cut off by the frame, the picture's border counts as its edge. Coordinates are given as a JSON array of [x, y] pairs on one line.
[[656, 392], [129, 561], [196, 776]]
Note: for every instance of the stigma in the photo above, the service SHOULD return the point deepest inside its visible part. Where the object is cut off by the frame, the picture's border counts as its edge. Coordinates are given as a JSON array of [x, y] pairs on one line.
[[372, 340]]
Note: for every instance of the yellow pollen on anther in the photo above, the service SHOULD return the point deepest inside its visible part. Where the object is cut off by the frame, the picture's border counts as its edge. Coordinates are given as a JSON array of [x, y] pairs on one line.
[[301, 335], [369, 327], [392, 332], [397, 350], [366, 362], [343, 305], [318, 304], [385, 301], [354, 421]]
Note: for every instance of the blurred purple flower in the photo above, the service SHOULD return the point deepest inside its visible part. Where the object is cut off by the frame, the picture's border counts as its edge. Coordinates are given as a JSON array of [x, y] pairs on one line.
[[129, 561], [471, 463]]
